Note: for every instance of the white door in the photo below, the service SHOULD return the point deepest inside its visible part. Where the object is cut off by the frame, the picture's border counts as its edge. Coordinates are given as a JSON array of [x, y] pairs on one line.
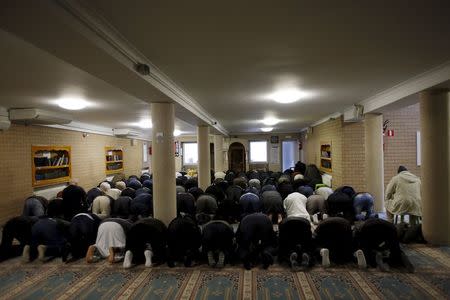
[[289, 154]]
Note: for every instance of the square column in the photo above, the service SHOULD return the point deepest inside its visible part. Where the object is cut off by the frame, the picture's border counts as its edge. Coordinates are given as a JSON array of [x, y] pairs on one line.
[[163, 162], [435, 168], [218, 153], [204, 163], [374, 160]]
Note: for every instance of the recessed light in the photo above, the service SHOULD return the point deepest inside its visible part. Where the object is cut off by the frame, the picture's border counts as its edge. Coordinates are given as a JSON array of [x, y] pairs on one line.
[[270, 121], [287, 95], [176, 132], [267, 129], [145, 124], [72, 103]]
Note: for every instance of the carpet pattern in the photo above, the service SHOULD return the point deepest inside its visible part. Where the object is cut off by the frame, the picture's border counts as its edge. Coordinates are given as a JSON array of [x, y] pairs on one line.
[[55, 280]]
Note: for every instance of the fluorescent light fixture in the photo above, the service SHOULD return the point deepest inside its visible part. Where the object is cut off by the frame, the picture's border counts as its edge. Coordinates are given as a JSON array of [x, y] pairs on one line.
[[270, 121], [267, 129], [176, 132], [145, 124], [287, 95], [72, 103]]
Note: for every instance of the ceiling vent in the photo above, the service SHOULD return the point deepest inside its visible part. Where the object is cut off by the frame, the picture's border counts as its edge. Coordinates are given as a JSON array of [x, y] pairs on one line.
[[354, 114], [4, 119], [124, 132], [29, 116]]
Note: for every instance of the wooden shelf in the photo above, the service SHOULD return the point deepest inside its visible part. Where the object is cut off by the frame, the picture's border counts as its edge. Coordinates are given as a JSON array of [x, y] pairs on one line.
[[52, 167], [43, 170], [117, 154], [326, 158]]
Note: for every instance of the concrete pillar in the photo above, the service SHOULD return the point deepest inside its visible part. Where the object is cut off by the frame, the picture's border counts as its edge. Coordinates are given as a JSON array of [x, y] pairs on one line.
[[435, 168], [163, 162], [204, 160], [218, 153], [374, 162]]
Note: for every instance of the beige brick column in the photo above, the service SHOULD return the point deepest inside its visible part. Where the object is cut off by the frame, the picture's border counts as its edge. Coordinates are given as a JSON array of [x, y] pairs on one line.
[[435, 169], [163, 162], [204, 160], [218, 153], [374, 163]]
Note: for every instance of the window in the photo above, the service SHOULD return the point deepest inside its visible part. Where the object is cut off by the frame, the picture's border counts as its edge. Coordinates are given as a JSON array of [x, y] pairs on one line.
[[144, 152], [190, 154], [258, 152]]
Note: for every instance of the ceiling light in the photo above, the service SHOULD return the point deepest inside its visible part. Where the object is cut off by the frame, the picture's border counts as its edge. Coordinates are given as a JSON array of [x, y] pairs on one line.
[[176, 132], [145, 124], [287, 95], [72, 103], [267, 129], [270, 121]]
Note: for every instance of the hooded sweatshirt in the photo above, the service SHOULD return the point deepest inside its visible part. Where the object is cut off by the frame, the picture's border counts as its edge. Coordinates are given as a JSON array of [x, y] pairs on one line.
[[403, 194], [295, 205]]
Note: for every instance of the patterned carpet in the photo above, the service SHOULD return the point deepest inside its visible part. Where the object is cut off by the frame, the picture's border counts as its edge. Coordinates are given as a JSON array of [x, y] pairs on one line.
[[55, 280]]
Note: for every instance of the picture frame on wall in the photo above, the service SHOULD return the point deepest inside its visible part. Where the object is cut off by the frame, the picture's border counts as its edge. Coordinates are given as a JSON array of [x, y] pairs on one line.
[[274, 139]]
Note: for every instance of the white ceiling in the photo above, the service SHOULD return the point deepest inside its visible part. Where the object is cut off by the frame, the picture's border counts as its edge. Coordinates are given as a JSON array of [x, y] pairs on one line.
[[34, 78], [229, 56]]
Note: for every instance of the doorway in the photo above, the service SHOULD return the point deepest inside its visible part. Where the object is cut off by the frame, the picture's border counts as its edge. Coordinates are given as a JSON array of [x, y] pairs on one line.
[[236, 157], [289, 154]]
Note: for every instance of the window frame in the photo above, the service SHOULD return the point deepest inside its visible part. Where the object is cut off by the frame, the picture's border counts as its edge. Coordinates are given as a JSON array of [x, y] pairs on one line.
[[184, 163]]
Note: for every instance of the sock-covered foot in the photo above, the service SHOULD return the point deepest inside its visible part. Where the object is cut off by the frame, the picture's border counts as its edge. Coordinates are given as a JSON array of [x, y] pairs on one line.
[[26, 254], [148, 258], [267, 260], [221, 260], [361, 259], [325, 257], [211, 260], [41, 252], [128, 259], [65, 252], [306, 260], [293, 260], [380, 263], [247, 265]]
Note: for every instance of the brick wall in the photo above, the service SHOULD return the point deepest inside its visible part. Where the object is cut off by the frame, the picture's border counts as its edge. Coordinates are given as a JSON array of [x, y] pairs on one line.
[[330, 131], [88, 160], [401, 148], [353, 156]]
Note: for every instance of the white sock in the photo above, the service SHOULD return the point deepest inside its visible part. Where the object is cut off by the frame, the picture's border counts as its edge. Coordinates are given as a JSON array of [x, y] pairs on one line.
[[361, 259], [325, 257], [324, 216], [148, 258], [128, 259], [315, 219]]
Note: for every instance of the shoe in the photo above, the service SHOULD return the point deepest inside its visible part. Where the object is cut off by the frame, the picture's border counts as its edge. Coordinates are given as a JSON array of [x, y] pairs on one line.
[[41, 252], [384, 267], [26, 253], [305, 260], [148, 258], [325, 257], [211, 260], [221, 260], [293, 260], [128, 259], [90, 254], [111, 255], [361, 259]]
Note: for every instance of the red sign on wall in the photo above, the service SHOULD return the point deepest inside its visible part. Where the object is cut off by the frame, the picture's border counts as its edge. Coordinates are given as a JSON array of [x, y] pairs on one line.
[[390, 132]]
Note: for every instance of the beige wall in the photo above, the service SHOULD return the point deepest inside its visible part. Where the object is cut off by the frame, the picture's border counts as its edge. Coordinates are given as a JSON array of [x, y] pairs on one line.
[[330, 131], [353, 158], [88, 160], [401, 148]]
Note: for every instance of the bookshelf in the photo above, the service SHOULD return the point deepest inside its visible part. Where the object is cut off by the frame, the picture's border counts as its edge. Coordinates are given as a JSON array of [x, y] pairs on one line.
[[113, 160], [50, 165], [325, 157]]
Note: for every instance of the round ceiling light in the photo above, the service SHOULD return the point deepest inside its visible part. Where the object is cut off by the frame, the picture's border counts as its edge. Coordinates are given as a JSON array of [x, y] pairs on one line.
[[287, 95], [176, 132], [145, 124], [267, 129], [72, 103], [270, 121]]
